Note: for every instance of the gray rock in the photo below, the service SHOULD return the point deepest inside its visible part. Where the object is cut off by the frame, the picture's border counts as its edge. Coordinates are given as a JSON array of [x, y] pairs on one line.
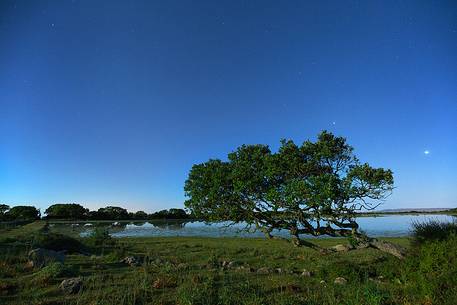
[[231, 264], [340, 281], [131, 260], [263, 270], [41, 257], [71, 286], [306, 273]]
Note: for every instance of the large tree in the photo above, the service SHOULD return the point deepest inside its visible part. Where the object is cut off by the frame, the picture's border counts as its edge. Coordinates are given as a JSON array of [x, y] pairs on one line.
[[67, 211], [22, 212], [3, 210], [313, 189]]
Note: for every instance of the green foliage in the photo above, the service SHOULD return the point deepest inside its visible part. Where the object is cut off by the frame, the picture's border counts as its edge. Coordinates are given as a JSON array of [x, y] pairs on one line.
[[170, 214], [99, 237], [431, 270], [3, 209], [67, 211], [111, 213], [22, 212], [307, 189]]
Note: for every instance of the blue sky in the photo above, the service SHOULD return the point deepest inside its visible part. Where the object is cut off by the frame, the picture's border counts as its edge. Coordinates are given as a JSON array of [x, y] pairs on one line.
[[112, 102]]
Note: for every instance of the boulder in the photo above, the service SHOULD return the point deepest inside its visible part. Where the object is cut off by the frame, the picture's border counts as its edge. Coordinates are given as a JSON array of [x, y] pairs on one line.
[[41, 257], [71, 286], [340, 281]]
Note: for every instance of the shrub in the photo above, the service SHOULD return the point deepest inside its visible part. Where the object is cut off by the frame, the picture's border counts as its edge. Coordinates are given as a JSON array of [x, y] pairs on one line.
[[99, 238], [431, 269], [57, 242], [433, 230]]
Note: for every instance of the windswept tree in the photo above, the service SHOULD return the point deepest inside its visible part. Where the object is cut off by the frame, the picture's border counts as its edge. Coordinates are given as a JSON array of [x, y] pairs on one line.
[[313, 189]]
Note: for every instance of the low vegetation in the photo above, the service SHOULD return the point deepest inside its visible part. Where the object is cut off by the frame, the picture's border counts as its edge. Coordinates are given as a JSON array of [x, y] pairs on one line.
[[224, 271]]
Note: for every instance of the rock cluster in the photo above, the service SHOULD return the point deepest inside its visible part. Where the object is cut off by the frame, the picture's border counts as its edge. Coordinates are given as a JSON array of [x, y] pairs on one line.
[[131, 260], [71, 286]]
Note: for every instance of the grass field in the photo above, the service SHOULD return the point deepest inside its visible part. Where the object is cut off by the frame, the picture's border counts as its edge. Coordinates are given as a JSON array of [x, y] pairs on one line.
[[176, 270]]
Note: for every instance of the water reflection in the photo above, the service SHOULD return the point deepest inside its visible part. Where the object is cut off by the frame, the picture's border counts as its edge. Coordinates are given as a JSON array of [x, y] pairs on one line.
[[392, 225]]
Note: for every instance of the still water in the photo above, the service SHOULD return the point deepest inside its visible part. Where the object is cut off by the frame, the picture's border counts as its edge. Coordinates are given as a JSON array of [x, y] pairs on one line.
[[388, 226]]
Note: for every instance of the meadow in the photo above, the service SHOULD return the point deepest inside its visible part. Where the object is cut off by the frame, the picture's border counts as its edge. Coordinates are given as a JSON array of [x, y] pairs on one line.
[[193, 270]]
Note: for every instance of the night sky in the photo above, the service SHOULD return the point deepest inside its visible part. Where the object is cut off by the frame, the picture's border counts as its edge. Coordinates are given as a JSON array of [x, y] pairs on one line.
[[110, 102]]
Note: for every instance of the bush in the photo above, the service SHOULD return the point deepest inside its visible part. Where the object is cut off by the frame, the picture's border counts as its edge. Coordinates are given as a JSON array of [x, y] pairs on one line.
[[433, 230], [99, 238], [431, 268], [57, 242]]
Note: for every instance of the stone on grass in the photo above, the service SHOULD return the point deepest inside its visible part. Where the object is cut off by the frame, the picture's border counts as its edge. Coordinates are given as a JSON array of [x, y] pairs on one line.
[[131, 260], [71, 286], [306, 273], [263, 270], [340, 281]]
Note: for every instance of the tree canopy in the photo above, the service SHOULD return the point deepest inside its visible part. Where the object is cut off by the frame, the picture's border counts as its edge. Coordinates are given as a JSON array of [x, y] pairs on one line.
[[22, 212], [315, 188], [67, 211]]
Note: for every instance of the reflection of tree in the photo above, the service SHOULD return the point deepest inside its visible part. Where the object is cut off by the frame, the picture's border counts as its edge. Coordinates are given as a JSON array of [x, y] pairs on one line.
[[138, 223], [170, 224]]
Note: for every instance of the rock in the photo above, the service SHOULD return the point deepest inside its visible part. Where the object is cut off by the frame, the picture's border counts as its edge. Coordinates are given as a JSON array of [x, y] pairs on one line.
[[306, 273], [342, 248], [131, 260], [231, 264], [41, 257], [71, 286], [340, 281], [263, 270]]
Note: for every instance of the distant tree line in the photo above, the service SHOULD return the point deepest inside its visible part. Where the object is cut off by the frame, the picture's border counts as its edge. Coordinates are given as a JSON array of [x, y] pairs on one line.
[[73, 211], [20, 212]]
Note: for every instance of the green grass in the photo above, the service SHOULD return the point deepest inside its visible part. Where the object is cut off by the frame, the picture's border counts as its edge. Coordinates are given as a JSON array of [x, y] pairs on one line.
[[185, 271]]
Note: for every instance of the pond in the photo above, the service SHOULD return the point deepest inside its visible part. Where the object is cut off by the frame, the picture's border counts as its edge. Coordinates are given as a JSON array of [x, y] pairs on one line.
[[387, 226]]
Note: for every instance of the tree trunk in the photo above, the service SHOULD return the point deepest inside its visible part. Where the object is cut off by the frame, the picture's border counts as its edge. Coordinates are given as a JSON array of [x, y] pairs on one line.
[[388, 247]]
